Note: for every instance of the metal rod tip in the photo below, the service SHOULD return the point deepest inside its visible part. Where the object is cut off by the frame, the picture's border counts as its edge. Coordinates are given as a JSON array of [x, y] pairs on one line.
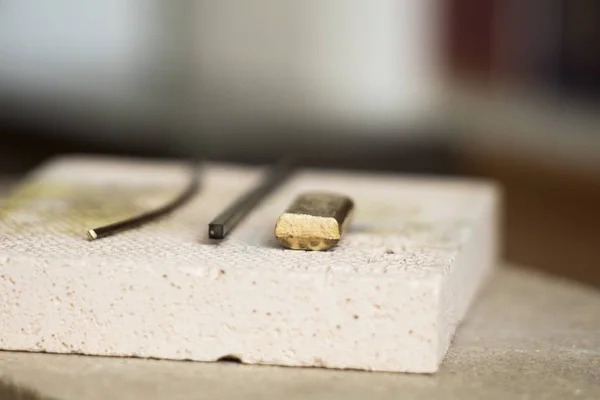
[[92, 234]]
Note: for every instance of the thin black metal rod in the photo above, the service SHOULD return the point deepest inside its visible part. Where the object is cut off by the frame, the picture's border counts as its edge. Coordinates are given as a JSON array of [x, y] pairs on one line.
[[224, 223], [141, 219]]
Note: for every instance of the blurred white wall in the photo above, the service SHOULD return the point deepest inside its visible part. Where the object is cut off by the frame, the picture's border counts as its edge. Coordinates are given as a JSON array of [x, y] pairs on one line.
[[92, 46], [231, 63], [332, 61]]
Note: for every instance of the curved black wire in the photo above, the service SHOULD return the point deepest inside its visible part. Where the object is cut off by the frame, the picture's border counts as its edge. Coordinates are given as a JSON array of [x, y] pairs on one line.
[[138, 220]]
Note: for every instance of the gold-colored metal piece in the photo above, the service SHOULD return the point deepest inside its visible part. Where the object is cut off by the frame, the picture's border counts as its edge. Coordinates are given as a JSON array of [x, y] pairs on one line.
[[314, 221]]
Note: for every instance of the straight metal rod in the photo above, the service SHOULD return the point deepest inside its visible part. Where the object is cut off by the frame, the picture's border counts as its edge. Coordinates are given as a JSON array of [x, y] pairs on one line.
[[225, 222]]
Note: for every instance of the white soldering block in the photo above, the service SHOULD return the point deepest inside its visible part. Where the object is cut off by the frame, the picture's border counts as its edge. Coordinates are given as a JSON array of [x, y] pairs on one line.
[[388, 298]]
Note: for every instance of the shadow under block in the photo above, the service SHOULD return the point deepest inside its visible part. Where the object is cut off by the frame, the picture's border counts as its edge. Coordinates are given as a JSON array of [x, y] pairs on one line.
[[388, 297]]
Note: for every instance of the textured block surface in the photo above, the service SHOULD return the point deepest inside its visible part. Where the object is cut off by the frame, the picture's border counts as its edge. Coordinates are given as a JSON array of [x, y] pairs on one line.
[[388, 297]]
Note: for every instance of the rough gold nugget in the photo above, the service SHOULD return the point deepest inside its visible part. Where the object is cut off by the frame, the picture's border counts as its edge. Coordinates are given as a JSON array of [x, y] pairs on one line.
[[314, 221]]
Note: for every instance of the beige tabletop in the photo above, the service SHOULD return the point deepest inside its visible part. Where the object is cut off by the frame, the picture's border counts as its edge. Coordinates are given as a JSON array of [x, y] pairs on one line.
[[528, 336]]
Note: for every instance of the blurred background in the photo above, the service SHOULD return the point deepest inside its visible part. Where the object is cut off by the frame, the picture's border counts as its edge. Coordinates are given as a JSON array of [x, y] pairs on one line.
[[504, 89]]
